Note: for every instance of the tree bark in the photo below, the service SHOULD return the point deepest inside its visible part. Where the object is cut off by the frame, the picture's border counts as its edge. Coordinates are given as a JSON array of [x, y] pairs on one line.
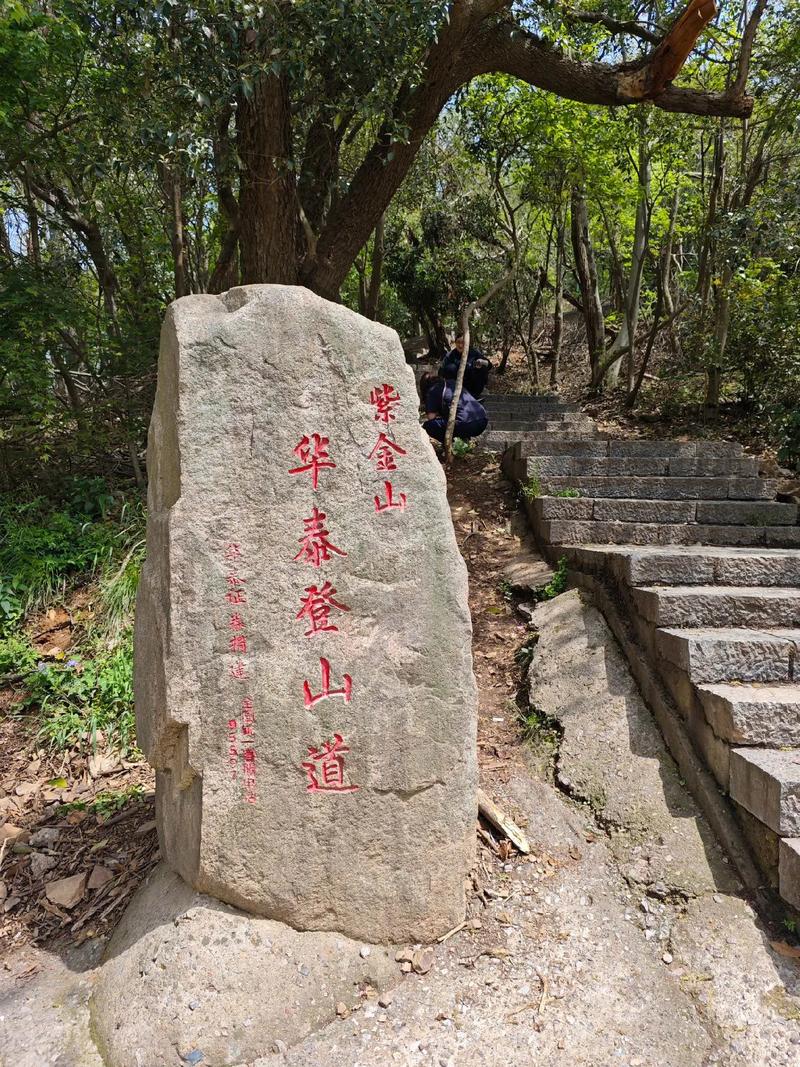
[[268, 206], [586, 270], [558, 314]]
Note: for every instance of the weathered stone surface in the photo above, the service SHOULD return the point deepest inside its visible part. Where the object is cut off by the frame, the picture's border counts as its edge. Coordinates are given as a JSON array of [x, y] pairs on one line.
[[184, 972], [753, 714], [660, 511], [243, 379], [767, 783], [648, 533], [597, 449], [755, 513], [719, 605], [649, 488], [712, 466], [750, 489], [726, 655], [611, 753], [556, 507], [789, 870]]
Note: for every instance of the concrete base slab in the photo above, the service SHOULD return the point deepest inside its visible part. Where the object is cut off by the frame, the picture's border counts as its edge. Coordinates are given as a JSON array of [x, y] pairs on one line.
[[186, 975]]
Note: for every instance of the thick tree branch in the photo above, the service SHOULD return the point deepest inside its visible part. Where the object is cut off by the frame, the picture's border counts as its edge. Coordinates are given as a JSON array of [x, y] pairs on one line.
[[600, 18], [747, 48], [505, 47]]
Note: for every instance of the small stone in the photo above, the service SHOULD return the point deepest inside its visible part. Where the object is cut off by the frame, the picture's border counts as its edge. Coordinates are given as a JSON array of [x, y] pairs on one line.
[[385, 999], [66, 892], [667, 958], [99, 876], [406, 967], [194, 1005], [404, 955], [364, 952], [342, 1010], [19, 848], [422, 960], [11, 902], [280, 1047], [193, 1057], [475, 924], [383, 1017], [304, 970], [41, 864], [46, 837]]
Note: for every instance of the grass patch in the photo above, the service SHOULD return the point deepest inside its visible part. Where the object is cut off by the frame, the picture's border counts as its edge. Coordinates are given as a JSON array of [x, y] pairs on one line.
[[75, 696]]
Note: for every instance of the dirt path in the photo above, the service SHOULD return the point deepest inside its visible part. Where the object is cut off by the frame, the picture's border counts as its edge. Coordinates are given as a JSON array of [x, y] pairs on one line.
[[621, 940]]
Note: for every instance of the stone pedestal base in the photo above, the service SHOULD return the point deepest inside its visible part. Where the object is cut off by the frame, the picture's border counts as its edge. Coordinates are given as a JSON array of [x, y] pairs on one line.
[[187, 979]]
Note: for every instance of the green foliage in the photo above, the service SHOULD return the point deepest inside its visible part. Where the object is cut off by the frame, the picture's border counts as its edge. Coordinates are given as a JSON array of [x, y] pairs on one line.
[[462, 448], [567, 493], [533, 488], [91, 691], [107, 803], [44, 550], [557, 584]]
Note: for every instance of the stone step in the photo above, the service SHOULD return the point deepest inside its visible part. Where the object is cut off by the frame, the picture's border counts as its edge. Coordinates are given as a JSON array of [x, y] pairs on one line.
[[710, 656], [649, 466], [540, 423], [672, 450], [524, 400], [691, 564], [500, 440], [706, 512], [647, 488], [577, 532], [753, 714], [789, 870], [767, 783], [719, 605]]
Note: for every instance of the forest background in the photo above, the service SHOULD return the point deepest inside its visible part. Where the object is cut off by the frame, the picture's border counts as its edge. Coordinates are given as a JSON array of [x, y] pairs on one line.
[[403, 156]]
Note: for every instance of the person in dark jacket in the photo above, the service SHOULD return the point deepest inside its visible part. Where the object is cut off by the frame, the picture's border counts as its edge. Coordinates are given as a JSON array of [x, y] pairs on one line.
[[437, 395], [476, 372]]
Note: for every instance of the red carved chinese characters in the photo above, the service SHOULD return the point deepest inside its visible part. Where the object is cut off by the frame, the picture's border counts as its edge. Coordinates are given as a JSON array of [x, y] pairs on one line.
[[313, 455], [325, 768], [345, 692], [249, 759], [390, 501], [233, 751], [315, 548], [384, 453], [248, 717], [384, 398], [244, 722], [316, 608]]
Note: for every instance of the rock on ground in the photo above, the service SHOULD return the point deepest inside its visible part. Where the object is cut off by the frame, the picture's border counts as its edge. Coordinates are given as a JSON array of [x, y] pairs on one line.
[[298, 531], [186, 974]]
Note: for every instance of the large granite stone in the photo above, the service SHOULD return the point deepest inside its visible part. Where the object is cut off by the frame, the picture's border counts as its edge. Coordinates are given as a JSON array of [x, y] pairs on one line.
[[354, 812]]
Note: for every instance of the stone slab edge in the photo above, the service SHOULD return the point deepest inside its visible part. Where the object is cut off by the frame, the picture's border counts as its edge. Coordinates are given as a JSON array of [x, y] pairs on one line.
[[698, 778]]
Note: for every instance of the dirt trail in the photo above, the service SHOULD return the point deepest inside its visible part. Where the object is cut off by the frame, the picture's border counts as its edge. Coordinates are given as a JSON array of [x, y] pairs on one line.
[[621, 940]]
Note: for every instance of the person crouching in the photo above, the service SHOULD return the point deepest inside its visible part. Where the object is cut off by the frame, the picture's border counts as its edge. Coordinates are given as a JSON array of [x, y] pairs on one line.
[[437, 397]]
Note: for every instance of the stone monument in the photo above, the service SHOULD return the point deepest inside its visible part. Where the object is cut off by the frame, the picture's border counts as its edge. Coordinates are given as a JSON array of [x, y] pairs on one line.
[[303, 671]]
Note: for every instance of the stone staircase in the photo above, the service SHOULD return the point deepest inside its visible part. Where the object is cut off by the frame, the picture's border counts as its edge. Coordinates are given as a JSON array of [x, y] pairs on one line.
[[701, 565]]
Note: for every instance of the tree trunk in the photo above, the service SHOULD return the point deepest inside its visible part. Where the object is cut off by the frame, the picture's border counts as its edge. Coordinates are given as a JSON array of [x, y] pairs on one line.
[[586, 270], [626, 338], [558, 314], [376, 272], [173, 195], [268, 206]]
